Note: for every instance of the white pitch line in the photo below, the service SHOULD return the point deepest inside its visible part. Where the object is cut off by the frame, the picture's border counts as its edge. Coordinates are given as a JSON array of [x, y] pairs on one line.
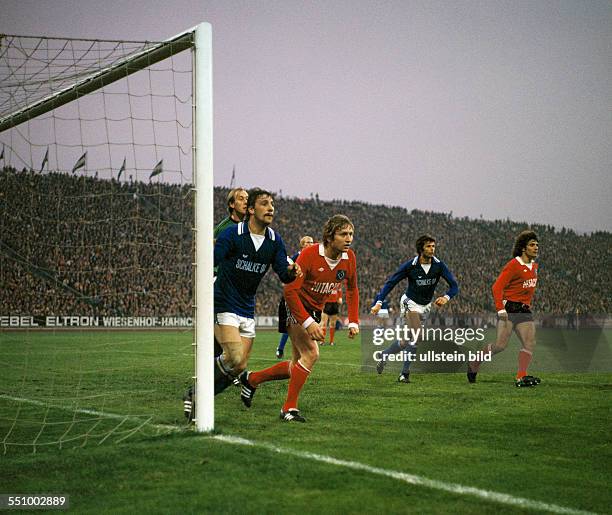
[[412, 479]]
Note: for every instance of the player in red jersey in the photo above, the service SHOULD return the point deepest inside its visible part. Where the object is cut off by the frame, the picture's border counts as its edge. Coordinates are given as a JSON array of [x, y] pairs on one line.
[[325, 267], [513, 294], [330, 313]]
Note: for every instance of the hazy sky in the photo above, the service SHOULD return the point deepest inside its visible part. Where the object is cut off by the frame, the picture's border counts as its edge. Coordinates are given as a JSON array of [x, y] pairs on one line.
[[496, 108]]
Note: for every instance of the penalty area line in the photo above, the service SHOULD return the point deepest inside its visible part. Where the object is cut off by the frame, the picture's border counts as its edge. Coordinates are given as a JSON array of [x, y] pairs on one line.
[[412, 479]]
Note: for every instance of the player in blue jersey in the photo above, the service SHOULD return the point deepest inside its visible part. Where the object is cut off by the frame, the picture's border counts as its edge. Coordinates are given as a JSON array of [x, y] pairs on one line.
[[423, 273], [305, 241], [243, 254], [236, 201]]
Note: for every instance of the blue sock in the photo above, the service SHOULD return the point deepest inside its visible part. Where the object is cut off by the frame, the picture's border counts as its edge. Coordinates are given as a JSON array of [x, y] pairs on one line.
[[411, 353], [411, 349], [394, 348], [283, 341]]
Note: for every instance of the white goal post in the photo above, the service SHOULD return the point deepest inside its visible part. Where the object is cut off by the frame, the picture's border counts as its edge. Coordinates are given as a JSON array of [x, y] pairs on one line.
[[203, 183], [44, 94]]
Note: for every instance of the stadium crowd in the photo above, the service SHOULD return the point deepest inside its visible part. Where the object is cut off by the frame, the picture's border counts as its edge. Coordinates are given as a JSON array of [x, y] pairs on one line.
[[73, 244]]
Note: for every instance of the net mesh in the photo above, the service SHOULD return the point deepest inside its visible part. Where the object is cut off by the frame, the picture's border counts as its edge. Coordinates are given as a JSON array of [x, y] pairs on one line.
[[96, 220]]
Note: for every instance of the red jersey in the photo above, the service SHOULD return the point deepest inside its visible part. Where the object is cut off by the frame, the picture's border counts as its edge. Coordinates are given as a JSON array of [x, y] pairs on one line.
[[335, 296], [516, 282], [311, 291]]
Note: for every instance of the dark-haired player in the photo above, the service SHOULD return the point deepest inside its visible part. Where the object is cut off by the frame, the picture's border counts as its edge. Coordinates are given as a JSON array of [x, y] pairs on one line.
[[236, 202], [325, 266], [423, 273], [243, 254], [513, 294]]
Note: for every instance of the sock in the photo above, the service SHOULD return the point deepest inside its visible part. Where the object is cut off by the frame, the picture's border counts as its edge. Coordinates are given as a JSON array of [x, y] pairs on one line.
[[223, 377], [274, 373], [394, 348], [299, 374], [475, 365], [283, 342], [524, 358], [411, 350], [332, 332]]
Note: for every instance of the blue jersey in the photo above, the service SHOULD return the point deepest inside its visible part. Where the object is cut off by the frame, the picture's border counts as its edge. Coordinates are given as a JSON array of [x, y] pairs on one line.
[[421, 285], [241, 268]]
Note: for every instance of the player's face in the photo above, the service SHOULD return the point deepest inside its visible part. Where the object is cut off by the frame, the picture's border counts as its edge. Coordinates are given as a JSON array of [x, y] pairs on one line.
[[342, 239], [532, 248], [263, 212], [306, 242], [429, 249], [240, 203]]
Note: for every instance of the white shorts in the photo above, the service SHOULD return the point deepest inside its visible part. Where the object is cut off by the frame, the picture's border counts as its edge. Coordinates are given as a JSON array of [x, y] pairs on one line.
[[408, 305], [383, 313], [246, 326]]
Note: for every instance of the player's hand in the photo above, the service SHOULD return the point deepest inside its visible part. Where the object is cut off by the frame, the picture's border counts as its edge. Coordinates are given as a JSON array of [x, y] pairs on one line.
[[315, 332], [340, 300], [353, 331], [502, 315], [295, 270], [440, 301], [375, 308]]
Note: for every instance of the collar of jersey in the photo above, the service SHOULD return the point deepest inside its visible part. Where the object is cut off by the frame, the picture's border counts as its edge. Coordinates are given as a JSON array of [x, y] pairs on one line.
[[415, 261], [243, 228], [528, 265], [322, 252]]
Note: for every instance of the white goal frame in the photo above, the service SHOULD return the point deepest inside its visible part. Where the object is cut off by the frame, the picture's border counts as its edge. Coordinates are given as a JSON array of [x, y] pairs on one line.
[[198, 38]]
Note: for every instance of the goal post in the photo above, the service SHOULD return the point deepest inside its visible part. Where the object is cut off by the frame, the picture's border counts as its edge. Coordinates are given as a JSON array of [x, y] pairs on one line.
[[203, 182], [106, 201]]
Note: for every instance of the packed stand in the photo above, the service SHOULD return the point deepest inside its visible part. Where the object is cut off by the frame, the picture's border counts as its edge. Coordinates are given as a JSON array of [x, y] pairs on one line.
[[85, 246]]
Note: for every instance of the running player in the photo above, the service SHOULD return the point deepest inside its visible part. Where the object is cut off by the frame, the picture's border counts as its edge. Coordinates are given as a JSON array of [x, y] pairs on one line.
[[423, 273], [513, 294], [243, 254], [325, 266], [236, 201]]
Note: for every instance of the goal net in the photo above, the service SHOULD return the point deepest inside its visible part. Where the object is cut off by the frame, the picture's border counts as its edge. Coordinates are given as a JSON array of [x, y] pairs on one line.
[[106, 169]]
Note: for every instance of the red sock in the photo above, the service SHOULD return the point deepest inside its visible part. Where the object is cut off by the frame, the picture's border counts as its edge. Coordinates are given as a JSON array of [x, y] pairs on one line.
[[332, 331], [299, 374], [273, 373], [524, 358]]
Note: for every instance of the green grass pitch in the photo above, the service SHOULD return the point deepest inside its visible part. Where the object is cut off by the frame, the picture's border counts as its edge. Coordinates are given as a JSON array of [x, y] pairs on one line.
[[95, 415]]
